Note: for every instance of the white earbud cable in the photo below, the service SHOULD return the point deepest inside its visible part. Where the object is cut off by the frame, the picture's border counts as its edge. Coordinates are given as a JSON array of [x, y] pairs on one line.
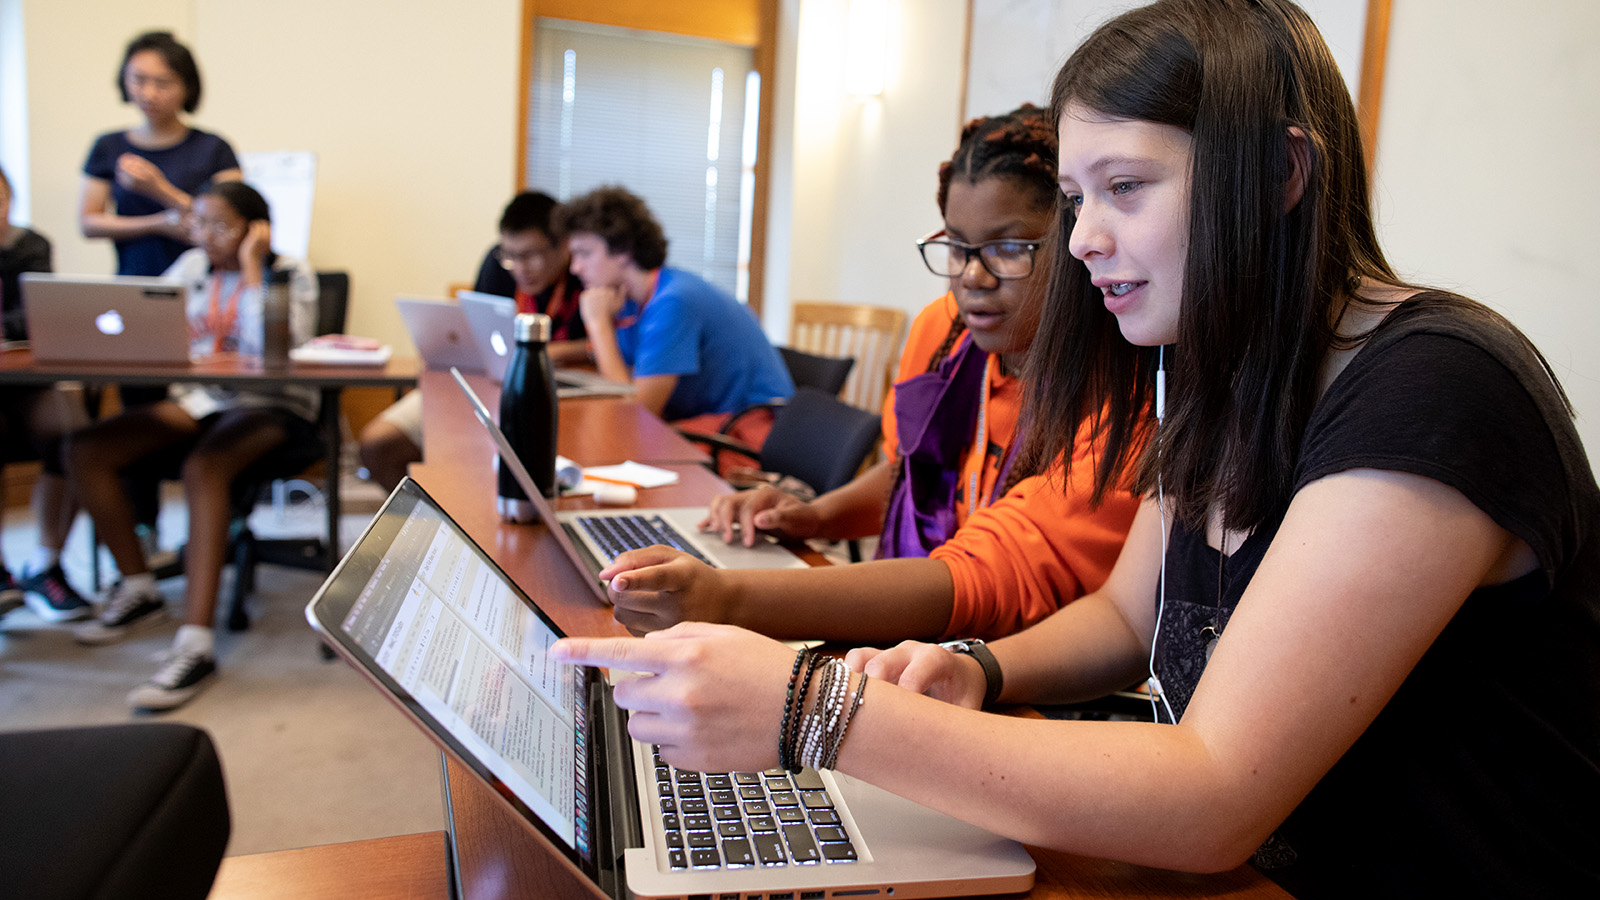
[[1157, 694]]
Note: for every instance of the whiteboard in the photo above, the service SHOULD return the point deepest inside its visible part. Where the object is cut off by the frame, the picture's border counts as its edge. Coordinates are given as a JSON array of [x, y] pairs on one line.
[[288, 179], [1017, 45]]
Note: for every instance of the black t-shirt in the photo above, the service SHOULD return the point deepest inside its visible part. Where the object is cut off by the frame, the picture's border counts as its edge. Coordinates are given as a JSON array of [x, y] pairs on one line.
[[1481, 776], [188, 164], [566, 323], [29, 251]]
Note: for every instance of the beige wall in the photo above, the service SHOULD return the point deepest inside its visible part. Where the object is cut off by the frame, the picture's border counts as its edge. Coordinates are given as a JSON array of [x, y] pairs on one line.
[[866, 170], [1484, 175], [410, 107], [1486, 170]]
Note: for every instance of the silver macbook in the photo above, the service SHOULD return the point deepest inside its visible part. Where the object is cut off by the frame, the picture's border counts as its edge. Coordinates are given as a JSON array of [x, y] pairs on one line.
[[429, 618], [590, 537], [442, 334], [119, 319], [491, 318]]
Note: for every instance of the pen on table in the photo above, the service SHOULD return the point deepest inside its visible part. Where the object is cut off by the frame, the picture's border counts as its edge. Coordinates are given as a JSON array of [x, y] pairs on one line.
[[604, 480]]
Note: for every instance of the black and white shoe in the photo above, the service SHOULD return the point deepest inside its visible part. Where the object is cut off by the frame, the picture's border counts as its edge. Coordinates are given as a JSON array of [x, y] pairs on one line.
[[184, 674], [125, 612]]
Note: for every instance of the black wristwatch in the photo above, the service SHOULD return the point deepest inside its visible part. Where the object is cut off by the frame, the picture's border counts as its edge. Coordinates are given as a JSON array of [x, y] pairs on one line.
[[976, 649]]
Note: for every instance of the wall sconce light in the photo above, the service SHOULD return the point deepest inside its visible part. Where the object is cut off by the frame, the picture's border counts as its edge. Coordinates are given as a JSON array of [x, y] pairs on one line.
[[866, 45]]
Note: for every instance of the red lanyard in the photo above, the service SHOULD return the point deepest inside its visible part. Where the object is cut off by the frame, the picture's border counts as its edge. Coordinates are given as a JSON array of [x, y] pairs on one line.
[[528, 303], [220, 321]]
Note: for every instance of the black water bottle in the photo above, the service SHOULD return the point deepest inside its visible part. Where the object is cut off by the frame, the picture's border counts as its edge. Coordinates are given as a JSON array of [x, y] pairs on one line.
[[275, 320], [528, 414]]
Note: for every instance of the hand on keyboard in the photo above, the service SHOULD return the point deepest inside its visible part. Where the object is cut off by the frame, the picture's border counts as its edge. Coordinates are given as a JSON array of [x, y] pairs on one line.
[[658, 587]]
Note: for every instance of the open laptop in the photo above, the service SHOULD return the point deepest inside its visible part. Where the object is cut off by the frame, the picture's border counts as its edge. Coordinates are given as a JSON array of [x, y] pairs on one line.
[[592, 538], [492, 318], [118, 319], [442, 334], [429, 618]]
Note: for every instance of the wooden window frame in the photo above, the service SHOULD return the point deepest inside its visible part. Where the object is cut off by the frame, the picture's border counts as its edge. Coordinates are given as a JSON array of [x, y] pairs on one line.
[[751, 23]]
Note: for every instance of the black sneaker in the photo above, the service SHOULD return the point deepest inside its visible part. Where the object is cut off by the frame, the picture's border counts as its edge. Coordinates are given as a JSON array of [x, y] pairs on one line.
[[53, 599], [185, 673], [10, 594], [125, 611]]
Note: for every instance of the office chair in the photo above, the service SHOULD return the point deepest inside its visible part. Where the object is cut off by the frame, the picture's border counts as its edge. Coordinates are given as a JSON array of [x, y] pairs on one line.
[[825, 373], [333, 301], [127, 810], [816, 438]]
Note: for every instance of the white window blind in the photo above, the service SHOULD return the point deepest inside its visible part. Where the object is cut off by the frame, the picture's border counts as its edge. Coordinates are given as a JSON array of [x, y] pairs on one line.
[[661, 115]]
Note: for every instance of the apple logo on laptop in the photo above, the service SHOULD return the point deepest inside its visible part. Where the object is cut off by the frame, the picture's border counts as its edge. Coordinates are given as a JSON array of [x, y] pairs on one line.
[[109, 322], [497, 342]]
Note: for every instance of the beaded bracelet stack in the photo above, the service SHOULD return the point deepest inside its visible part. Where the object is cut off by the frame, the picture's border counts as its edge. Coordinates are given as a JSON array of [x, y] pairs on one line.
[[812, 737]]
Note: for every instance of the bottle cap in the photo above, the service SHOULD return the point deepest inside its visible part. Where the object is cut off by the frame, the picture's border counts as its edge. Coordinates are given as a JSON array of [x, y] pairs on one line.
[[532, 327]]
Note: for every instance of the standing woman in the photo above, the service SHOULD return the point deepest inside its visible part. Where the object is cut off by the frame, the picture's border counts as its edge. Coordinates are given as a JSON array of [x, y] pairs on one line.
[[1365, 580], [139, 184]]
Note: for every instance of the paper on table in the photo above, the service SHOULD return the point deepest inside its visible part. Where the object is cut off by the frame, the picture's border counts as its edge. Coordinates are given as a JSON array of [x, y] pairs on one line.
[[340, 356], [636, 474]]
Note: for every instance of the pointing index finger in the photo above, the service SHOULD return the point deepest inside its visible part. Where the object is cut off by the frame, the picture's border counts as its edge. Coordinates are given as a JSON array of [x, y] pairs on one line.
[[625, 654]]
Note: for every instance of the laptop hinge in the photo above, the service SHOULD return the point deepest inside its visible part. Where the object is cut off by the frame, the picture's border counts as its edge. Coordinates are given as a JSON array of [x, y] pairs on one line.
[[615, 782]]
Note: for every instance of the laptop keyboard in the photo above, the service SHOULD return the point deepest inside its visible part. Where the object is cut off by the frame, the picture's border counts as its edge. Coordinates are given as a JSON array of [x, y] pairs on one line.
[[615, 535], [739, 819]]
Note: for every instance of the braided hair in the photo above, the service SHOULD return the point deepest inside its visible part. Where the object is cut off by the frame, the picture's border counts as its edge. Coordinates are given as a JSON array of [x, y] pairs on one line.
[[1020, 146]]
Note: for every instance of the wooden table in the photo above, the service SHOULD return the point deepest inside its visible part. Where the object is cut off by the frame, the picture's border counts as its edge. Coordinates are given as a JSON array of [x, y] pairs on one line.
[[496, 854], [238, 373], [594, 431], [404, 867]]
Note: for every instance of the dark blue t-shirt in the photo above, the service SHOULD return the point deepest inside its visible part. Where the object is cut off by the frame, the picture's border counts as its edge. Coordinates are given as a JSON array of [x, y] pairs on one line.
[[188, 164], [709, 340]]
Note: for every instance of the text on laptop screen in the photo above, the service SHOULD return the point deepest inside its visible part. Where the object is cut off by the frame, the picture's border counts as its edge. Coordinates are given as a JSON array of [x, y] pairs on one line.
[[444, 624]]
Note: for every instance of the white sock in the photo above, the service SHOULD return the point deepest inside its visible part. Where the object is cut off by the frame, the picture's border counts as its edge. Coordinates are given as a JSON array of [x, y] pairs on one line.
[[144, 581], [195, 638], [43, 559]]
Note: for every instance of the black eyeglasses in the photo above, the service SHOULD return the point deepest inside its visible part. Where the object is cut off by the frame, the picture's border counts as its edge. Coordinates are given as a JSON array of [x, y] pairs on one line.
[[1006, 258]]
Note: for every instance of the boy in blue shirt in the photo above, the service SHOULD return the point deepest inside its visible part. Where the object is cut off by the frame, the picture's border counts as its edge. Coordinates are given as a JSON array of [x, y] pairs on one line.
[[690, 350]]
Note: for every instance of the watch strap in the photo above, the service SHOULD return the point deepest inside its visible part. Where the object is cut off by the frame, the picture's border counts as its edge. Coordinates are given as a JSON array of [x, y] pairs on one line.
[[979, 651]]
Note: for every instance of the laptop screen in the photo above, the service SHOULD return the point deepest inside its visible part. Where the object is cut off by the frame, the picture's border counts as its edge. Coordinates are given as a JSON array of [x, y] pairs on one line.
[[423, 610]]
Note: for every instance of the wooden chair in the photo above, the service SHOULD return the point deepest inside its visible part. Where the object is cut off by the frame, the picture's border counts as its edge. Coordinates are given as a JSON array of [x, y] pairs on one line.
[[872, 335]]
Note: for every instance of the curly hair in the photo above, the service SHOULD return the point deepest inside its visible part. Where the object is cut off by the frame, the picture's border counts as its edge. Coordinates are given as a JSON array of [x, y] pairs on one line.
[[621, 219]]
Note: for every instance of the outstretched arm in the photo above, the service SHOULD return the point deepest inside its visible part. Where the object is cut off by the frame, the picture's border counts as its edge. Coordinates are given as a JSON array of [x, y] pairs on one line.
[[656, 587], [1362, 576]]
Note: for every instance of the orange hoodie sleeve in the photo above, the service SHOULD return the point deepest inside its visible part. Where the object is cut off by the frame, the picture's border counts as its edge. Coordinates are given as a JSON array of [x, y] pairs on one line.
[[1034, 550]]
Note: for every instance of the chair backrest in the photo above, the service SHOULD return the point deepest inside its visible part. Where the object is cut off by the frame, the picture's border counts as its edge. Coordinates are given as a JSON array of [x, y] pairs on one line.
[[872, 335], [333, 301], [819, 439], [825, 373]]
